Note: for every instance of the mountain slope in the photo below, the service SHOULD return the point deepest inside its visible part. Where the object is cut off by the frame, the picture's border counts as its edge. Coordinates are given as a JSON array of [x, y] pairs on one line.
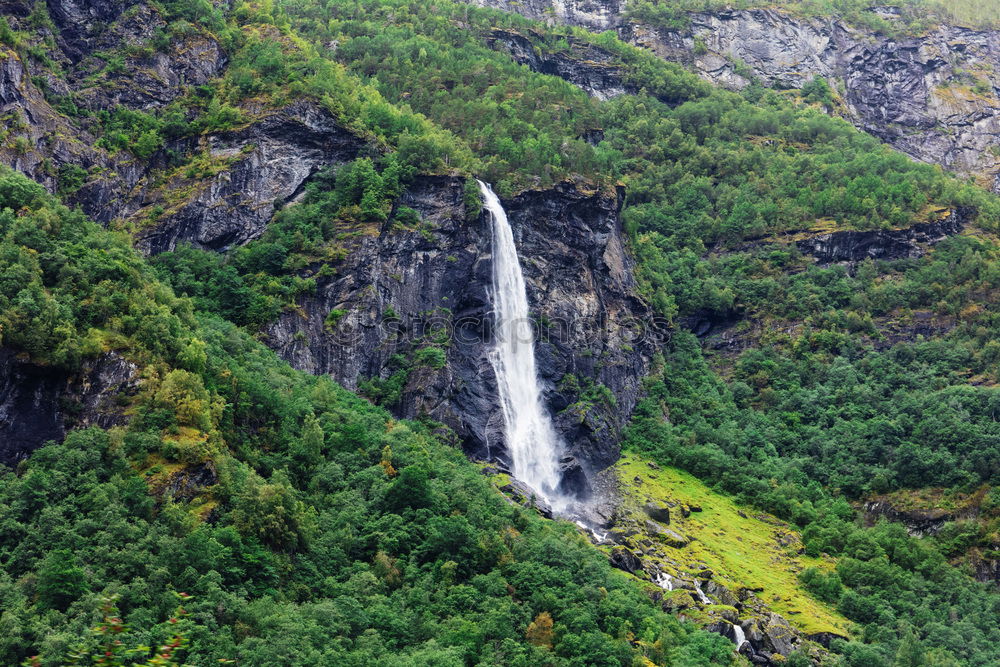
[[310, 179], [928, 90]]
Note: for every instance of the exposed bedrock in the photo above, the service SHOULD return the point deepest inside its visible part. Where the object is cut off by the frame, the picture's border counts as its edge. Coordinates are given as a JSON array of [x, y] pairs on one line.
[[266, 162], [935, 97], [856, 246], [584, 65], [40, 403], [401, 290]]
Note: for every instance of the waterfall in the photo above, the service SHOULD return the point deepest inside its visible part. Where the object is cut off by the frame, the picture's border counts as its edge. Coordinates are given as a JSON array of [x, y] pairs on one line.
[[701, 594], [664, 581], [597, 536], [739, 637], [531, 439]]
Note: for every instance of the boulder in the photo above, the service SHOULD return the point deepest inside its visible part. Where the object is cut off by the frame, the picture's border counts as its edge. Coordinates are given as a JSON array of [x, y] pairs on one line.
[[525, 495], [721, 593], [673, 539], [574, 481], [624, 559], [657, 511]]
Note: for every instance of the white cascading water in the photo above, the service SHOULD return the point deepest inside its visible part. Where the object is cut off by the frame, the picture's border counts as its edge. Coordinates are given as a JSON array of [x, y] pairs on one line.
[[739, 637], [701, 594], [664, 581], [531, 439]]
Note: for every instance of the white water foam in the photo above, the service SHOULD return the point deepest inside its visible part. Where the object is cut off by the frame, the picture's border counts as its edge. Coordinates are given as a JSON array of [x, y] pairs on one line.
[[739, 637], [701, 594], [531, 439]]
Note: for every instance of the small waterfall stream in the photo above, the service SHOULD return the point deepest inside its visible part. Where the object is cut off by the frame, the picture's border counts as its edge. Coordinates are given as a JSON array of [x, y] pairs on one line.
[[701, 594], [664, 581], [739, 637], [531, 439]]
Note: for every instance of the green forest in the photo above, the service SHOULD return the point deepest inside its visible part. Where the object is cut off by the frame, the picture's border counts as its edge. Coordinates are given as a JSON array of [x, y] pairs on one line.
[[332, 533]]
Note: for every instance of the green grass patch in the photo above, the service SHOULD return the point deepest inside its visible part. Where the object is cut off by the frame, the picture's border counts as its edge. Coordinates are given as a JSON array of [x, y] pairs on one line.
[[743, 548]]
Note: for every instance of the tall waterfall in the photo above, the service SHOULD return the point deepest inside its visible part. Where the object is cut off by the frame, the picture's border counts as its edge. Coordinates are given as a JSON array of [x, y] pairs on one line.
[[531, 439]]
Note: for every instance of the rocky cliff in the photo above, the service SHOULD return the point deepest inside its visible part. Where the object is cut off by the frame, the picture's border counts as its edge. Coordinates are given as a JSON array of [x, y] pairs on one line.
[[584, 65], [40, 403], [258, 166], [400, 292], [856, 246], [396, 292], [935, 97], [42, 140], [242, 172]]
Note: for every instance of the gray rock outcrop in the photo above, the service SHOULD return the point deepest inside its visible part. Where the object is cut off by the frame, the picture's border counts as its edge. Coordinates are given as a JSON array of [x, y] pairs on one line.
[[267, 161], [400, 290], [856, 246], [935, 97]]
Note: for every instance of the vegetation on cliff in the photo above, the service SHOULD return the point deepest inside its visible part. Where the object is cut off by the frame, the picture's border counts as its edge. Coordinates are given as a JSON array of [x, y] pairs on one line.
[[900, 17], [320, 530], [309, 527]]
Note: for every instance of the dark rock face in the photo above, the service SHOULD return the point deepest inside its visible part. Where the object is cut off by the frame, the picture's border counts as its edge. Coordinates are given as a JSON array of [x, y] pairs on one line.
[[574, 481], [149, 78], [987, 570], [399, 289], [855, 246], [81, 23], [45, 136], [46, 140], [580, 281], [625, 560], [269, 162], [584, 65], [918, 522], [657, 512], [39, 403], [189, 482]]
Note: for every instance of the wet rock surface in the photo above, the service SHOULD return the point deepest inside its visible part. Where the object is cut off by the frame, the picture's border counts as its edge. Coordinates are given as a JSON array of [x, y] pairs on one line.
[[400, 290], [41, 403]]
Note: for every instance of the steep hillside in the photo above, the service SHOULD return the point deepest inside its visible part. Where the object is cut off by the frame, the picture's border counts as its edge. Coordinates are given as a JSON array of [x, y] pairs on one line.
[[932, 93], [781, 321], [308, 525]]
